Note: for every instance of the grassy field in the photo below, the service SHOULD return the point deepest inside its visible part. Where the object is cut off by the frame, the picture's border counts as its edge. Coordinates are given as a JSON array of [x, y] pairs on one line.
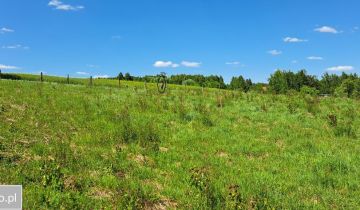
[[80, 147], [95, 82]]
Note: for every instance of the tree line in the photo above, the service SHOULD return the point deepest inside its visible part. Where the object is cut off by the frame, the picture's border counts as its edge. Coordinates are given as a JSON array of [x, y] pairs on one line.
[[212, 81], [280, 82], [347, 85]]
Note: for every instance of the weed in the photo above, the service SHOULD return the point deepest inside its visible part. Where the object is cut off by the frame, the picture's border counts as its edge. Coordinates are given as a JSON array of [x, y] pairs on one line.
[[234, 199], [200, 179], [128, 132], [312, 104], [219, 101], [52, 177], [332, 120], [264, 107], [261, 201], [149, 136]]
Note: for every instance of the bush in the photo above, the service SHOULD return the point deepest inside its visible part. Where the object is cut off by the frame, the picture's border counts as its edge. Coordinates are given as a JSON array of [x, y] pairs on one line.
[[312, 104], [306, 90], [346, 89], [189, 82], [10, 76]]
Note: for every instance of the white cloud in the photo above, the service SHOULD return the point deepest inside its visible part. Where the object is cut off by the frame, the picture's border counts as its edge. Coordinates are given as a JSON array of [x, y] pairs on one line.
[[191, 64], [59, 5], [294, 61], [2, 66], [275, 52], [233, 63], [170, 64], [341, 68], [293, 40], [316, 58], [82, 73], [327, 29], [6, 30], [17, 46], [165, 64]]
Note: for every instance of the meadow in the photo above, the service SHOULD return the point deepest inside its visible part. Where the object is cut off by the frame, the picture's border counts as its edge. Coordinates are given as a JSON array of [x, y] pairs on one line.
[[73, 146]]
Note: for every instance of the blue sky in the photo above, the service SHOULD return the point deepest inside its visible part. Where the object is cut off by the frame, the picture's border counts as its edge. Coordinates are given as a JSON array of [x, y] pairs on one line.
[[224, 37]]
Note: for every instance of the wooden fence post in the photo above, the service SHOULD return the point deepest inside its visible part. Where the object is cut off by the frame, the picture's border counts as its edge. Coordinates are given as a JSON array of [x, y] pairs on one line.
[[91, 80], [119, 82], [41, 77], [68, 79]]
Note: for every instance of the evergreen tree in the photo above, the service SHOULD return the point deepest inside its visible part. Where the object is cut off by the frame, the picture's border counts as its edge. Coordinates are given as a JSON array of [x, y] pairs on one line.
[[120, 76], [128, 77]]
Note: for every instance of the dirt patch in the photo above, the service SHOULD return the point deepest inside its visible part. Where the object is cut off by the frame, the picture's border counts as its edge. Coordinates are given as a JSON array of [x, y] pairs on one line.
[[222, 154], [99, 193], [163, 149]]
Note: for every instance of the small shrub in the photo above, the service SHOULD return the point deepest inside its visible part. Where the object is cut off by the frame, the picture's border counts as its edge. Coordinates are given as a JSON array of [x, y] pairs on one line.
[[10, 76], [312, 104], [306, 90]]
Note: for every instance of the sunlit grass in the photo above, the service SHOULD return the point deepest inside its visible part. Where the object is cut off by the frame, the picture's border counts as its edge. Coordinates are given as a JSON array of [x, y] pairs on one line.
[[80, 147]]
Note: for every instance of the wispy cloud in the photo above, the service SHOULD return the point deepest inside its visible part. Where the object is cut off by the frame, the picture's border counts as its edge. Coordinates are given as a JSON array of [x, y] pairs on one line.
[[327, 29], [2, 66], [92, 66], [274, 52], [233, 63], [82, 73], [170, 64], [316, 58], [165, 64], [294, 61], [16, 46], [341, 68], [59, 5], [294, 40], [191, 64], [6, 30]]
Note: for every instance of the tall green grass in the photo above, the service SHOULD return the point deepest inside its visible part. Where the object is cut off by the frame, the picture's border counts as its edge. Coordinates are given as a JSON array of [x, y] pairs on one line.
[[104, 147]]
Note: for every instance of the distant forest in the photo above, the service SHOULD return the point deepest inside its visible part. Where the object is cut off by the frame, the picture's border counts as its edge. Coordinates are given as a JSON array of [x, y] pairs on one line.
[[281, 82]]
